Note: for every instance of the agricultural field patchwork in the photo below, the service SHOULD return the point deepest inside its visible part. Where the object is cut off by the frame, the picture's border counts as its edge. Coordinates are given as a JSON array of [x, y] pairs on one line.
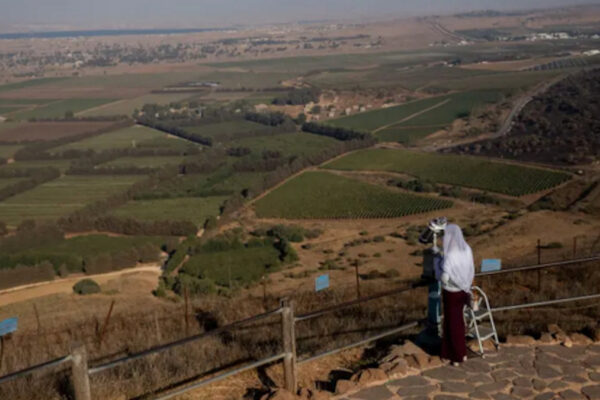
[[230, 130], [42, 131], [322, 195], [145, 162], [128, 106], [62, 196], [406, 134], [121, 139], [58, 109], [194, 209], [478, 173], [435, 111], [288, 144]]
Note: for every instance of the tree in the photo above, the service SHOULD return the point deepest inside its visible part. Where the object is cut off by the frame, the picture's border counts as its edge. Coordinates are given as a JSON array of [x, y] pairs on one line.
[[69, 114]]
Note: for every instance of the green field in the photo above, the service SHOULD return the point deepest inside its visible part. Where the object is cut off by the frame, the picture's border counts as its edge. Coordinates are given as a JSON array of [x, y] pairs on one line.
[[465, 171], [246, 264], [9, 150], [145, 162], [323, 195], [128, 106], [62, 196], [194, 209], [4, 110], [4, 182], [406, 135], [122, 139], [438, 111], [61, 165], [29, 83], [288, 144], [229, 130], [58, 108]]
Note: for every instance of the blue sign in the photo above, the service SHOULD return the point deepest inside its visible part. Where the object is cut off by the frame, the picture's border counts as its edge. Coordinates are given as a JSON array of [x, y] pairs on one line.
[[321, 282], [491, 265], [8, 326]]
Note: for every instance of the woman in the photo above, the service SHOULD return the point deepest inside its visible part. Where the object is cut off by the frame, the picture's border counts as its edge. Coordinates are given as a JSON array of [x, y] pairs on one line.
[[456, 277]]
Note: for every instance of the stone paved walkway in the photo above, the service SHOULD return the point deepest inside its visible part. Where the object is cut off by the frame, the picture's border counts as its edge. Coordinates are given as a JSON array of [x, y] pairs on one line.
[[541, 372]]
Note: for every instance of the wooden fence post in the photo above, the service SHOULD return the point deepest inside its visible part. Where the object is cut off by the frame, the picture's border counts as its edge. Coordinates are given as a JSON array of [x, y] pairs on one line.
[[357, 280], [289, 345], [187, 299], [79, 372], [157, 326], [105, 326]]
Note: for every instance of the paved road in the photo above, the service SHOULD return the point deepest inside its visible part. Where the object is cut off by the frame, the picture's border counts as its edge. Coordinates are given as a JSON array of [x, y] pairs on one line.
[[521, 103], [535, 372]]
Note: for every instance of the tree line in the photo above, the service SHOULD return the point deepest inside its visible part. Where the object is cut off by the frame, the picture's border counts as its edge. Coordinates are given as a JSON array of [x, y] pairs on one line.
[[336, 132], [34, 177]]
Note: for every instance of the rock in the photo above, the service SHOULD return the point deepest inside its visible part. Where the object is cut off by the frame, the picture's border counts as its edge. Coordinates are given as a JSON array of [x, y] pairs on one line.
[[522, 382], [446, 374], [502, 374], [416, 391], [594, 376], [371, 375], [411, 362], [493, 387], [521, 392], [320, 396], [545, 396], [570, 394], [422, 360], [557, 385], [344, 386], [520, 340], [487, 345], [435, 362], [567, 342], [539, 385], [410, 381], [479, 395], [395, 369], [592, 392], [580, 339], [597, 335], [547, 338], [554, 330], [280, 394], [457, 387]]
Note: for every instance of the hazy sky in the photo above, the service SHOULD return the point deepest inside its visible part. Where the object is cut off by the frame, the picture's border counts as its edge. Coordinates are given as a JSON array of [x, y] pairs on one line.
[[27, 14]]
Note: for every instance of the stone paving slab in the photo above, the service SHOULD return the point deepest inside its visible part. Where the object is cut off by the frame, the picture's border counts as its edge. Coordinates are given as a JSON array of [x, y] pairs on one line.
[[543, 372]]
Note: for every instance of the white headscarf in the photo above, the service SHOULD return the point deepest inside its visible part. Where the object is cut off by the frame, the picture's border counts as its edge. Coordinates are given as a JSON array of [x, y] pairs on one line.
[[458, 258]]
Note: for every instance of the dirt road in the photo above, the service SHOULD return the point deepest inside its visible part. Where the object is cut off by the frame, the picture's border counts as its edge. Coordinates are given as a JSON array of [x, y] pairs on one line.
[[34, 290]]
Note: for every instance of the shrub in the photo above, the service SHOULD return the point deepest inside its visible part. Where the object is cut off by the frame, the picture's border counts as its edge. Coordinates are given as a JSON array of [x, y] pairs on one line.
[[195, 286], [86, 286]]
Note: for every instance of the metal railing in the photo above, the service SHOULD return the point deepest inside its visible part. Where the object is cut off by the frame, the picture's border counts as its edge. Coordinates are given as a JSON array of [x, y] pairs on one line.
[[81, 372]]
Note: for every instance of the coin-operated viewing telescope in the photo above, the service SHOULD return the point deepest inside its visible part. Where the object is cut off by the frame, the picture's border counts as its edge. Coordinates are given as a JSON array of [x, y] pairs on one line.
[[432, 257]]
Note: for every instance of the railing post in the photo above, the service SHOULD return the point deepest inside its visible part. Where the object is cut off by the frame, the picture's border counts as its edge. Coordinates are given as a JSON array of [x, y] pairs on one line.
[[79, 372], [289, 344]]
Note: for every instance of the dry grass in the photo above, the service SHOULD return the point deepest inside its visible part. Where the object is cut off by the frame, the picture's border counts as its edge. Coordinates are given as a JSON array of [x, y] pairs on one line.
[[162, 321]]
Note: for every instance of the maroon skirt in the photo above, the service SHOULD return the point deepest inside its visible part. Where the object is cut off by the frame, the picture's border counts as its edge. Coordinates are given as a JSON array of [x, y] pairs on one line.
[[454, 346]]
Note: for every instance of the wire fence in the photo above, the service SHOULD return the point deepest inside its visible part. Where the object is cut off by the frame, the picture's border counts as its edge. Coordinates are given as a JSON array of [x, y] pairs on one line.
[[296, 350]]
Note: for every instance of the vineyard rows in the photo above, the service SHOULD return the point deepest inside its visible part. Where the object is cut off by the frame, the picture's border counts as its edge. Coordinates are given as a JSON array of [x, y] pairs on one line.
[[478, 173], [321, 195], [575, 62]]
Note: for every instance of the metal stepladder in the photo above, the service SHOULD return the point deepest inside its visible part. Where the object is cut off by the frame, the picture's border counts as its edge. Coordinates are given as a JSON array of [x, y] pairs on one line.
[[480, 321]]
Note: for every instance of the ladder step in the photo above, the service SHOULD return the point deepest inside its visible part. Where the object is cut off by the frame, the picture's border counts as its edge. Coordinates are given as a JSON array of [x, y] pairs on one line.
[[481, 314], [485, 332]]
